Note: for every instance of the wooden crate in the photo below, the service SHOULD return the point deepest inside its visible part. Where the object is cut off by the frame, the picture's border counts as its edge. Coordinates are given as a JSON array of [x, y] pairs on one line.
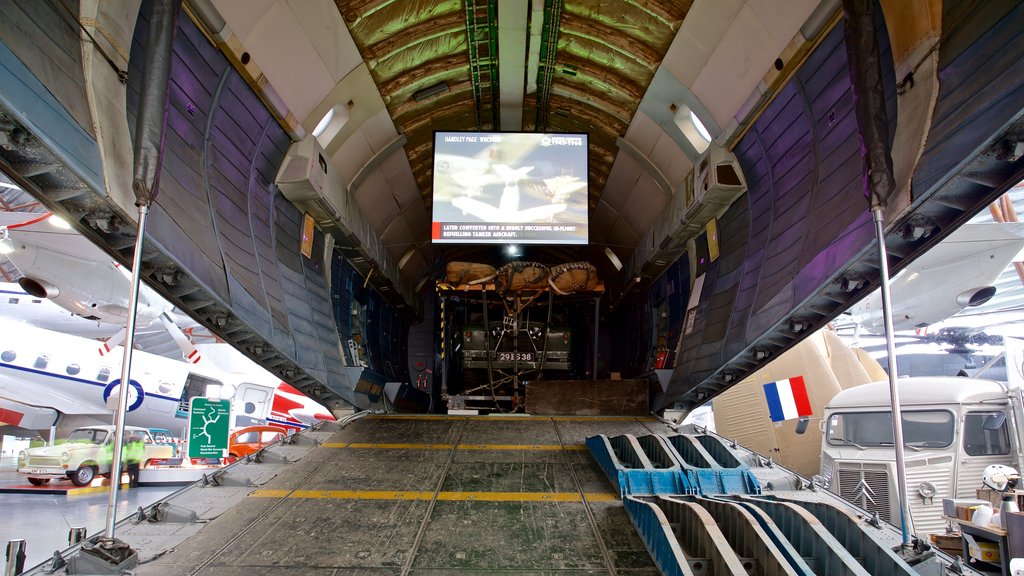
[[948, 543], [996, 498]]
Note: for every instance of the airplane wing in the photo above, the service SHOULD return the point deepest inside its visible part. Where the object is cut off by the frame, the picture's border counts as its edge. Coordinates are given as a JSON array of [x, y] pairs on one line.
[[489, 213], [511, 174], [536, 214], [481, 210], [31, 417], [14, 390]]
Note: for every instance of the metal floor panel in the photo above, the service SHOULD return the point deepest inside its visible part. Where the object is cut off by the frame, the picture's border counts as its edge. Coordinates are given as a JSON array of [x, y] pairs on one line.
[[430, 496]]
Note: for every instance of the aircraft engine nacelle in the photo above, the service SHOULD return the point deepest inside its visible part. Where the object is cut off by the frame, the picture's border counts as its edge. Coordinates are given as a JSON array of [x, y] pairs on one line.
[[39, 288], [976, 296]]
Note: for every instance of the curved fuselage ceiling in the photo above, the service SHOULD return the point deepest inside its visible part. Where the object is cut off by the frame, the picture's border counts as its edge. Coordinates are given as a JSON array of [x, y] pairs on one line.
[[772, 226]]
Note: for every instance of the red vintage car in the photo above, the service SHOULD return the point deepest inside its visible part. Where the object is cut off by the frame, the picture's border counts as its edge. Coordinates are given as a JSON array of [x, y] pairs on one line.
[[251, 439]]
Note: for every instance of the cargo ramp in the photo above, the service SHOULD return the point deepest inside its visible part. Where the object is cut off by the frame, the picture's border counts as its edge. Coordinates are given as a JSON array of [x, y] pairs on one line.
[[433, 495]]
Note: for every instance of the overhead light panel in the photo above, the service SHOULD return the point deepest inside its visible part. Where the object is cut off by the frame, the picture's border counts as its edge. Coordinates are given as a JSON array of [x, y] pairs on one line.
[[613, 259], [6, 245], [324, 122], [405, 257], [692, 127], [430, 91], [331, 124], [58, 222]]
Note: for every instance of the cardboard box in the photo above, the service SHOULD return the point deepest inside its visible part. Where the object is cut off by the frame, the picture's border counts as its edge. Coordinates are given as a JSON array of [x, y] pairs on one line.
[[985, 551]]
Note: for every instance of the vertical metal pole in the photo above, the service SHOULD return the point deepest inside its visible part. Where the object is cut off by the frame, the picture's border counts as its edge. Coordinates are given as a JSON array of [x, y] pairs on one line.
[[15, 563], [126, 369], [444, 356], [597, 330], [76, 535], [487, 340], [894, 396], [53, 434]]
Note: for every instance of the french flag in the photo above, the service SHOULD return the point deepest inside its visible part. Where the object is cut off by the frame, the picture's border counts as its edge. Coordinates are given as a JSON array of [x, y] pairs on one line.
[[787, 399]]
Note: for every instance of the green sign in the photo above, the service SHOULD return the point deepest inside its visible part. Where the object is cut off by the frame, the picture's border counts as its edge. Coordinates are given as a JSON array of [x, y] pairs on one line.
[[208, 427]]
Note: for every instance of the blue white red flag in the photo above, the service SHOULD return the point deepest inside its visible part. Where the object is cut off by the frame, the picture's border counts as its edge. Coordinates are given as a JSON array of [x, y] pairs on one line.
[[787, 399]]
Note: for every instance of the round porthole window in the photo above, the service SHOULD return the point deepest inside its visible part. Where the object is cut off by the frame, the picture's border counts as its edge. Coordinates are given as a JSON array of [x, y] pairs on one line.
[[73, 369], [8, 356]]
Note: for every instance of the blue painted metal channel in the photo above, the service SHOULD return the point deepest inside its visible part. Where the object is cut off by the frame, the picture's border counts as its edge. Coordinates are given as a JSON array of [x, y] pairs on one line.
[[699, 510]]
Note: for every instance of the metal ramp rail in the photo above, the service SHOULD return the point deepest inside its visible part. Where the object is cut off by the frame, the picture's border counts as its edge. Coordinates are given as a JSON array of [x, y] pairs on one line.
[[711, 466], [639, 468], [657, 464], [852, 536], [722, 524]]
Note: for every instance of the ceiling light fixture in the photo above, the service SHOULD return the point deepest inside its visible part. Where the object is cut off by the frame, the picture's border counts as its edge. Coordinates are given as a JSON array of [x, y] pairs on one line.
[[613, 259], [324, 122], [405, 257], [699, 126], [512, 250], [693, 129], [429, 91], [58, 222], [6, 245]]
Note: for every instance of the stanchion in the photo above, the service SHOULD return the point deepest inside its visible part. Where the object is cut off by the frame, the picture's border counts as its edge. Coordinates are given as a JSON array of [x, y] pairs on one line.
[[15, 558], [76, 535]]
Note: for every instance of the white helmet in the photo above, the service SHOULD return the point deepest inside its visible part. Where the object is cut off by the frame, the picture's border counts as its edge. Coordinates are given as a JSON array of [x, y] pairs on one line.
[[999, 477]]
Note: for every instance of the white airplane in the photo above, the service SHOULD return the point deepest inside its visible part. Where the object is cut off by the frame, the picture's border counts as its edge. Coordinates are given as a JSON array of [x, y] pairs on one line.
[[956, 274], [490, 213], [48, 378], [61, 266]]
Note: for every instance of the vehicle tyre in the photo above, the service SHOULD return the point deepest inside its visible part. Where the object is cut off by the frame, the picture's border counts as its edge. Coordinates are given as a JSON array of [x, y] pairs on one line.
[[83, 476], [39, 481]]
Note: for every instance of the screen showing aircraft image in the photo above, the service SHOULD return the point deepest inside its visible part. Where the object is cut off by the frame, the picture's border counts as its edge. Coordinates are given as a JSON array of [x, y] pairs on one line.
[[510, 187]]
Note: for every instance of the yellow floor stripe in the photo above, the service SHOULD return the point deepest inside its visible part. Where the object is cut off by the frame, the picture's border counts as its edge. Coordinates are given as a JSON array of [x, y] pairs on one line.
[[538, 447], [394, 446], [411, 446], [523, 418], [446, 496]]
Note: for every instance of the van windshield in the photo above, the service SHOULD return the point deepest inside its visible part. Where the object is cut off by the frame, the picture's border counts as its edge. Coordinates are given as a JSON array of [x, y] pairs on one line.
[[921, 429]]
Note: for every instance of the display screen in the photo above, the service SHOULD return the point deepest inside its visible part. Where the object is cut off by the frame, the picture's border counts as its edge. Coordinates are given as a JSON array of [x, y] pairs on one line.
[[510, 187]]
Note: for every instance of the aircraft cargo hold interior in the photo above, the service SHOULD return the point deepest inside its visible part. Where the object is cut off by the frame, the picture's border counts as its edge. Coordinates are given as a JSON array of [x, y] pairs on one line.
[[416, 287]]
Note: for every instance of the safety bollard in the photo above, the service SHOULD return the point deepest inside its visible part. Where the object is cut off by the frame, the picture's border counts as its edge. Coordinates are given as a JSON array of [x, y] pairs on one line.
[[15, 558], [76, 535]]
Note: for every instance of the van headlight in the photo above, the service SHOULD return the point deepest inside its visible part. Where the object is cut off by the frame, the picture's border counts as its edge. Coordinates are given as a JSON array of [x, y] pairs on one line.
[[65, 456]]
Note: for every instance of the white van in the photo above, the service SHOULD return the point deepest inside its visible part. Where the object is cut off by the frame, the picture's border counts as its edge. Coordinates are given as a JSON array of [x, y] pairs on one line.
[[952, 429]]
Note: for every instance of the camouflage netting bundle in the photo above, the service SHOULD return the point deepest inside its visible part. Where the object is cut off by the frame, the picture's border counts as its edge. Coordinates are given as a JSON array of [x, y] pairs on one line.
[[517, 275], [459, 273], [573, 277]]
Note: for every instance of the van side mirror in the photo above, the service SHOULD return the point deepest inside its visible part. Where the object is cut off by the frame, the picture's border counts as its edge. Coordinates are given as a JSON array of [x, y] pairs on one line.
[[994, 421], [801, 425]]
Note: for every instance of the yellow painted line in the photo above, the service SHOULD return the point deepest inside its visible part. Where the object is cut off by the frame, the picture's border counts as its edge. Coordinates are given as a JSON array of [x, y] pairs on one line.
[[445, 496], [601, 496], [91, 490], [411, 446], [523, 418], [537, 447], [270, 493], [398, 446]]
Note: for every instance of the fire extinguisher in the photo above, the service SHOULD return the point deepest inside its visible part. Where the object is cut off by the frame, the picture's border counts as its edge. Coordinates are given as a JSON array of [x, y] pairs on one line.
[[660, 357]]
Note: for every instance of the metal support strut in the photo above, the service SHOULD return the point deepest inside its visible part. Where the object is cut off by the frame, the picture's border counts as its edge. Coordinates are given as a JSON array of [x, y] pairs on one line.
[[890, 349]]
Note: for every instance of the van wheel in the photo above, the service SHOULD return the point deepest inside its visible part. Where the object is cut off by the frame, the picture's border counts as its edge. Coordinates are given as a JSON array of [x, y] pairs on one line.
[[39, 481], [83, 476]]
